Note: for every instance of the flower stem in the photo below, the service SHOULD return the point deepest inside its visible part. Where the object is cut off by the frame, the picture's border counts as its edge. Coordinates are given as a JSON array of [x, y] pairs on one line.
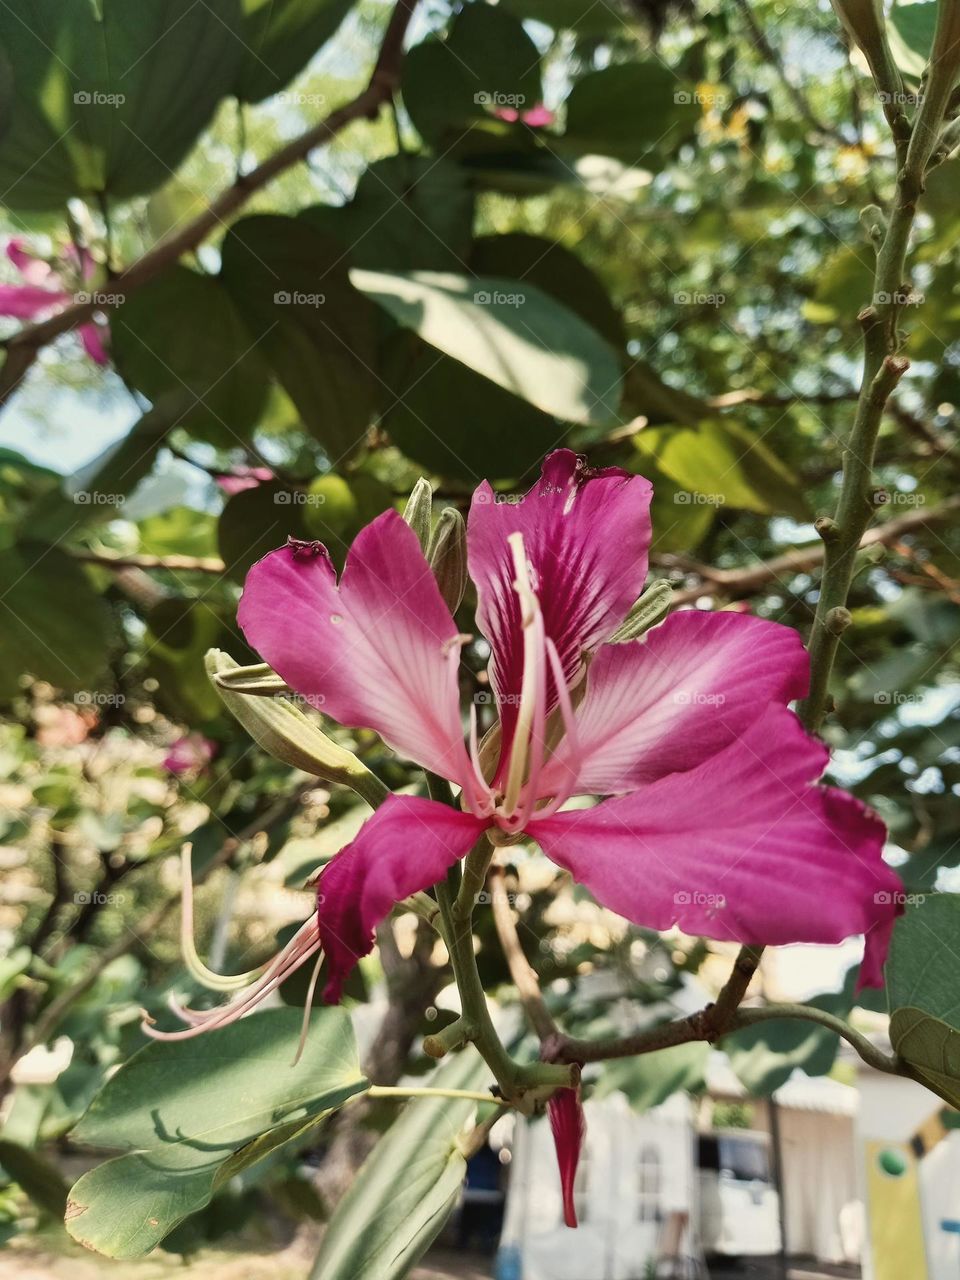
[[400, 1091]]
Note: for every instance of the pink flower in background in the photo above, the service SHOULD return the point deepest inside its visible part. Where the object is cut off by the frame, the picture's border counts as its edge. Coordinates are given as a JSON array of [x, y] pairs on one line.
[[714, 819], [240, 478], [189, 754], [536, 118], [44, 291]]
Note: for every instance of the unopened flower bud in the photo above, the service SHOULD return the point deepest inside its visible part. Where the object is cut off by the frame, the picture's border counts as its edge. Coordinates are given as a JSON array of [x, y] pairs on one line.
[[447, 554], [418, 511], [283, 730], [652, 607]]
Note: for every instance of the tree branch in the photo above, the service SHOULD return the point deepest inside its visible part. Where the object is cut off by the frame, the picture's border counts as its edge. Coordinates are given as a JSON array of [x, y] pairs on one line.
[[521, 971], [23, 347]]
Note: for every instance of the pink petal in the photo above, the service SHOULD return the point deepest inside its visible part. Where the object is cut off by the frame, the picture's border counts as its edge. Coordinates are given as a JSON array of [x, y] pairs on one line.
[[407, 846], [380, 650], [241, 478], [93, 343], [189, 754], [742, 847], [670, 700], [26, 301], [569, 1127], [510, 114], [33, 269], [586, 535], [538, 116]]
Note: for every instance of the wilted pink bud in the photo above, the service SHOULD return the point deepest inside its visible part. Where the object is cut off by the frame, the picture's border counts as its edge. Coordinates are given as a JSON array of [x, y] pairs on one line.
[[569, 1126]]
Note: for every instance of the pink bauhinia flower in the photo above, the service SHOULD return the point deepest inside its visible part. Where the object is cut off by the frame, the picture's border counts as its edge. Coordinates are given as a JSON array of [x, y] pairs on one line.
[[713, 820], [535, 118], [189, 754], [45, 292], [241, 478]]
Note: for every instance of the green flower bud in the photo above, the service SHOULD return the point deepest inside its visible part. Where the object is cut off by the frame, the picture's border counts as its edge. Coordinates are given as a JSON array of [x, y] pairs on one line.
[[652, 607], [447, 553], [283, 730], [419, 510]]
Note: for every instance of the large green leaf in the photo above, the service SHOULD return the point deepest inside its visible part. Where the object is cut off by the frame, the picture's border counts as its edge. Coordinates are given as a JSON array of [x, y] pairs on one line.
[[407, 212], [183, 332], [52, 622], [720, 463], [486, 62], [108, 97], [280, 37], [510, 332], [632, 110], [923, 978], [408, 1185], [188, 1116], [911, 27], [457, 423], [289, 281], [35, 1176]]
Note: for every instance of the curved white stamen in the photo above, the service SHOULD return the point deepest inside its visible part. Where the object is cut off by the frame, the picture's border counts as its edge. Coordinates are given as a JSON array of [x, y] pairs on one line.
[[302, 946], [532, 681], [195, 966], [537, 740], [480, 799], [572, 758]]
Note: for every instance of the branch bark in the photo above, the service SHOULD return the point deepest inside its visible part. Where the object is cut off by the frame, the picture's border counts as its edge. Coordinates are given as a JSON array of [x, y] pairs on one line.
[[23, 347]]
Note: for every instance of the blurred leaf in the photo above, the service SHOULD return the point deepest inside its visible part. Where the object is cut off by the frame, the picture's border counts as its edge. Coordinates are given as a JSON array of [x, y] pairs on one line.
[[109, 97], [456, 423], [290, 283], [407, 212], [510, 332], [189, 1117], [181, 331], [922, 973], [844, 284], [399, 1201], [910, 29], [651, 1078], [632, 110], [35, 1176], [487, 61], [280, 38], [721, 463], [585, 17], [52, 622], [259, 520]]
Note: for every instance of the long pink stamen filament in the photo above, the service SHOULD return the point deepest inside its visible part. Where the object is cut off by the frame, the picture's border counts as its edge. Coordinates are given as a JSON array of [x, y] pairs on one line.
[[302, 946], [206, 977], [533, 654], [571, 760], [481, 796], [537, 743]]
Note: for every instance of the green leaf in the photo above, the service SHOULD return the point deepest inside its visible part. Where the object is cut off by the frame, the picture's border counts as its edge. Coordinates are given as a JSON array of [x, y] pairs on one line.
[[256, 521], [280, 38], [188, 1116], [406, 1189], [52, 622], [720, 463], [289, 281], [510, 332], [554, 269], [456, 423], [407, 211], [765, 1056], [910, 28], [35, 1176], [182, 332], [585, 17], [486, 61], [922, 973], [109, 97], [651, 1078], [634, 111]]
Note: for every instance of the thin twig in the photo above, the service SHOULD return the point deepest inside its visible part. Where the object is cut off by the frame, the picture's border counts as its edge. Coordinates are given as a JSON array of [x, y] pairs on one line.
[[521, 971]]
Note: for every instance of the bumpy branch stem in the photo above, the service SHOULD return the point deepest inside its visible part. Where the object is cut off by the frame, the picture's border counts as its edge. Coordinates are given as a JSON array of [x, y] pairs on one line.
[[23, 347], [882, 370]]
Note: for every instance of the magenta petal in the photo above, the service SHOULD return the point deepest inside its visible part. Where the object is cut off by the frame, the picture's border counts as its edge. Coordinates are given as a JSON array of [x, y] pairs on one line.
[[407, 846], [538, 116], [93, 343], [379, 651], [586, 535], [569, 1128], [743, 848], [688, 688], [33, 269], [26, 301]]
